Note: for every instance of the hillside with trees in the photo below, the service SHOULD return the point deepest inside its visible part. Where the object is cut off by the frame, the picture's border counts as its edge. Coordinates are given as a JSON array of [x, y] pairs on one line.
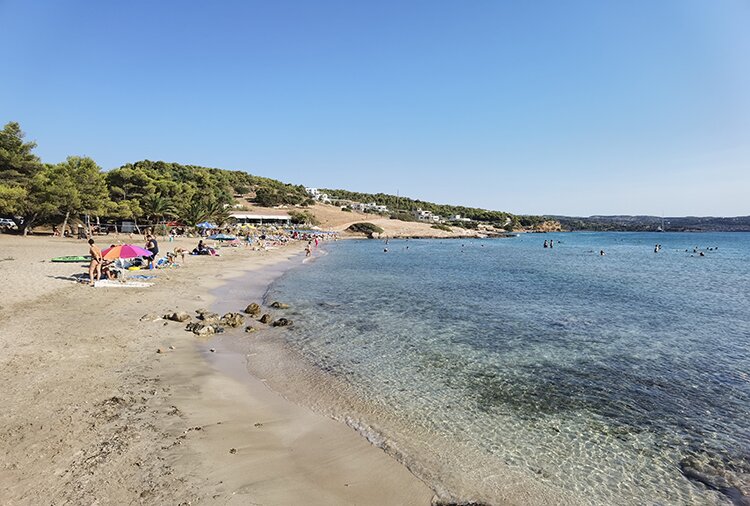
[[622, 223], [403, 206], [148, 192], [36, 193]]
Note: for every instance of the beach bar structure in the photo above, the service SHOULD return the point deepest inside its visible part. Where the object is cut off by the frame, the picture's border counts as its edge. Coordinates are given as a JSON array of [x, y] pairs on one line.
[[261, 219]]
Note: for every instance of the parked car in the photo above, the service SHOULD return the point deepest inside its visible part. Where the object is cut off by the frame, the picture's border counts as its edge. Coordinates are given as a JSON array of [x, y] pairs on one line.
[[7, 223]]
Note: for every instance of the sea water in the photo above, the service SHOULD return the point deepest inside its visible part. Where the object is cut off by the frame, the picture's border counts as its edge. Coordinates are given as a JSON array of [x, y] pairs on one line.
[[502, 371]]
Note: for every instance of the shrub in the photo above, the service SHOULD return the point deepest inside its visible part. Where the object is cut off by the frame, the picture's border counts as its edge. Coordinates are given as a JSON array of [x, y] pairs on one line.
[[403, 216], [365, 228], [303, 217], [441, 226]]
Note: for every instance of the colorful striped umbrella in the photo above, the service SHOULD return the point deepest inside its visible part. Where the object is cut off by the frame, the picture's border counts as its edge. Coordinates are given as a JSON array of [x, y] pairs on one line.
[[125, 251]]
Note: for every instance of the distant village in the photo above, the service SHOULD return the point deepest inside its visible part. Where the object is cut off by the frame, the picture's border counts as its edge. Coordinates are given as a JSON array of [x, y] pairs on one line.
[[372, 207]]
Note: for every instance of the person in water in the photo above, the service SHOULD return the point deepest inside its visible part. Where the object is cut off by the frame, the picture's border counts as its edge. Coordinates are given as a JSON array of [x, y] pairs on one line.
[[546, 244], [601, 253], [95, 267]]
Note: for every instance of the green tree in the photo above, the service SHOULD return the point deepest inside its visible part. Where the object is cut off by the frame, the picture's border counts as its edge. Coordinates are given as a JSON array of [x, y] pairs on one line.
[[17, 162], [156, 207], [366, 228], [46, 193], [11, 199], [303, 218], [18, 167], [80, 179], [194, 212]]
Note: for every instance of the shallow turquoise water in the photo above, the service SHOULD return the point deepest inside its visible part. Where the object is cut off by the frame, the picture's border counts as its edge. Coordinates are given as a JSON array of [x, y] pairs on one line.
[[586, 378]]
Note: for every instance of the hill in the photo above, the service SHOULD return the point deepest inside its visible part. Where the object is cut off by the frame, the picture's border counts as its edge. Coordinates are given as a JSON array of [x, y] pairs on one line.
[[625, 223]]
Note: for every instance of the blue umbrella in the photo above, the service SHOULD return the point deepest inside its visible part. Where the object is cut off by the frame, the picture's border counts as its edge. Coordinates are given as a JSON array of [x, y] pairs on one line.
[[222, 237], [206, 224]]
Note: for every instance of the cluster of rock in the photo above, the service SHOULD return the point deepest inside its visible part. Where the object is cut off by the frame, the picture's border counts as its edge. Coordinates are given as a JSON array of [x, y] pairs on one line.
[[211, 323], [255, 311]]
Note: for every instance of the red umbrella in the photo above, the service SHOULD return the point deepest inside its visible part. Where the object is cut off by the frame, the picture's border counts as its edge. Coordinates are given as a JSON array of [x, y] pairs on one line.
[[125, 251]]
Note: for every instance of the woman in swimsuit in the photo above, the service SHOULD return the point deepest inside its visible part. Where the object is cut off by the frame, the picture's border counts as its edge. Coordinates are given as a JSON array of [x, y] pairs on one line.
[[96, 262]]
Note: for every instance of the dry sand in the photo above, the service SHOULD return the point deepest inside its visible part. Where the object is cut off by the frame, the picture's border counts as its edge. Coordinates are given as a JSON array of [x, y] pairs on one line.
[[92, 414]]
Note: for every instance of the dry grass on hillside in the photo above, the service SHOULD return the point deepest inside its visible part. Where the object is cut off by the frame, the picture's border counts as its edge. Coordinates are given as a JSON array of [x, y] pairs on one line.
[[333, 218]]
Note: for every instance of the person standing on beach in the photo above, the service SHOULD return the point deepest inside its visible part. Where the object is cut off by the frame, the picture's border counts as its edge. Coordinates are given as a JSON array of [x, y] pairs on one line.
[[95, 267], [153, 247]]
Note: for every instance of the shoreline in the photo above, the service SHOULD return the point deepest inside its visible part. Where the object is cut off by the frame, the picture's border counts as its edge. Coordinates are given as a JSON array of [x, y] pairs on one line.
[[96, 414], [286, 370]]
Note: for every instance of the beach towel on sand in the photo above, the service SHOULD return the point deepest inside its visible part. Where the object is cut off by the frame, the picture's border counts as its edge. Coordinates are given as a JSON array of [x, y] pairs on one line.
[[107, 283]]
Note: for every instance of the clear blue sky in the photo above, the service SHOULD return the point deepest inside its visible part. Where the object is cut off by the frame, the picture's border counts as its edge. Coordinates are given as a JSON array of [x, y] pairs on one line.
[[568, 107]]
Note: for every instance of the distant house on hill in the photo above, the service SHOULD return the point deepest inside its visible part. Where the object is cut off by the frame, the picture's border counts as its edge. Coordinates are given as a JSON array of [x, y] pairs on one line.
[[371, 207], [422, 215], [316, 195]]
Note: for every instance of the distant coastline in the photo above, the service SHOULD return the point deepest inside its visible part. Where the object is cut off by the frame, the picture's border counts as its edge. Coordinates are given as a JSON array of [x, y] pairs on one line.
[[626, 223]]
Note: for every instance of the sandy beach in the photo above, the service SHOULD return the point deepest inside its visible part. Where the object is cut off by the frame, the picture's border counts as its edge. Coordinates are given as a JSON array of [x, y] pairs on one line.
[[95, 415]]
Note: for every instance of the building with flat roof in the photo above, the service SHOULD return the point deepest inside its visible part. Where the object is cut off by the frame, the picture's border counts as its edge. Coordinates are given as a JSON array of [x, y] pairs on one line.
[[261, 219]]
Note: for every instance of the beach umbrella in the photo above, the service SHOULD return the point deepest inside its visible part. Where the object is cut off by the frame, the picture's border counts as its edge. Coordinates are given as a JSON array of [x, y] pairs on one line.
[[125, 251], [222, 237], [206, 224]]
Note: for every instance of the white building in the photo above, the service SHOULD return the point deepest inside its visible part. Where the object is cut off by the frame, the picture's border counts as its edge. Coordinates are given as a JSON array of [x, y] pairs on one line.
[[370, 207], [318, 196], [261, 219]]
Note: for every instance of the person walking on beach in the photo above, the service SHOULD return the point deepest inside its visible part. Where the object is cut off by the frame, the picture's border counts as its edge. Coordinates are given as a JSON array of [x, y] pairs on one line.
[[308, 249], [153, 247], [95, 267]]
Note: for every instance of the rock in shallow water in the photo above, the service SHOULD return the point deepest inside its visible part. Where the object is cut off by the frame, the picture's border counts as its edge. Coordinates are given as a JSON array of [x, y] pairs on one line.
[[179, 316], [201, 329], [253, 310], [279, 305], [209, 318], [281, 322], [232, 320], [717, 479], [266, 318]]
